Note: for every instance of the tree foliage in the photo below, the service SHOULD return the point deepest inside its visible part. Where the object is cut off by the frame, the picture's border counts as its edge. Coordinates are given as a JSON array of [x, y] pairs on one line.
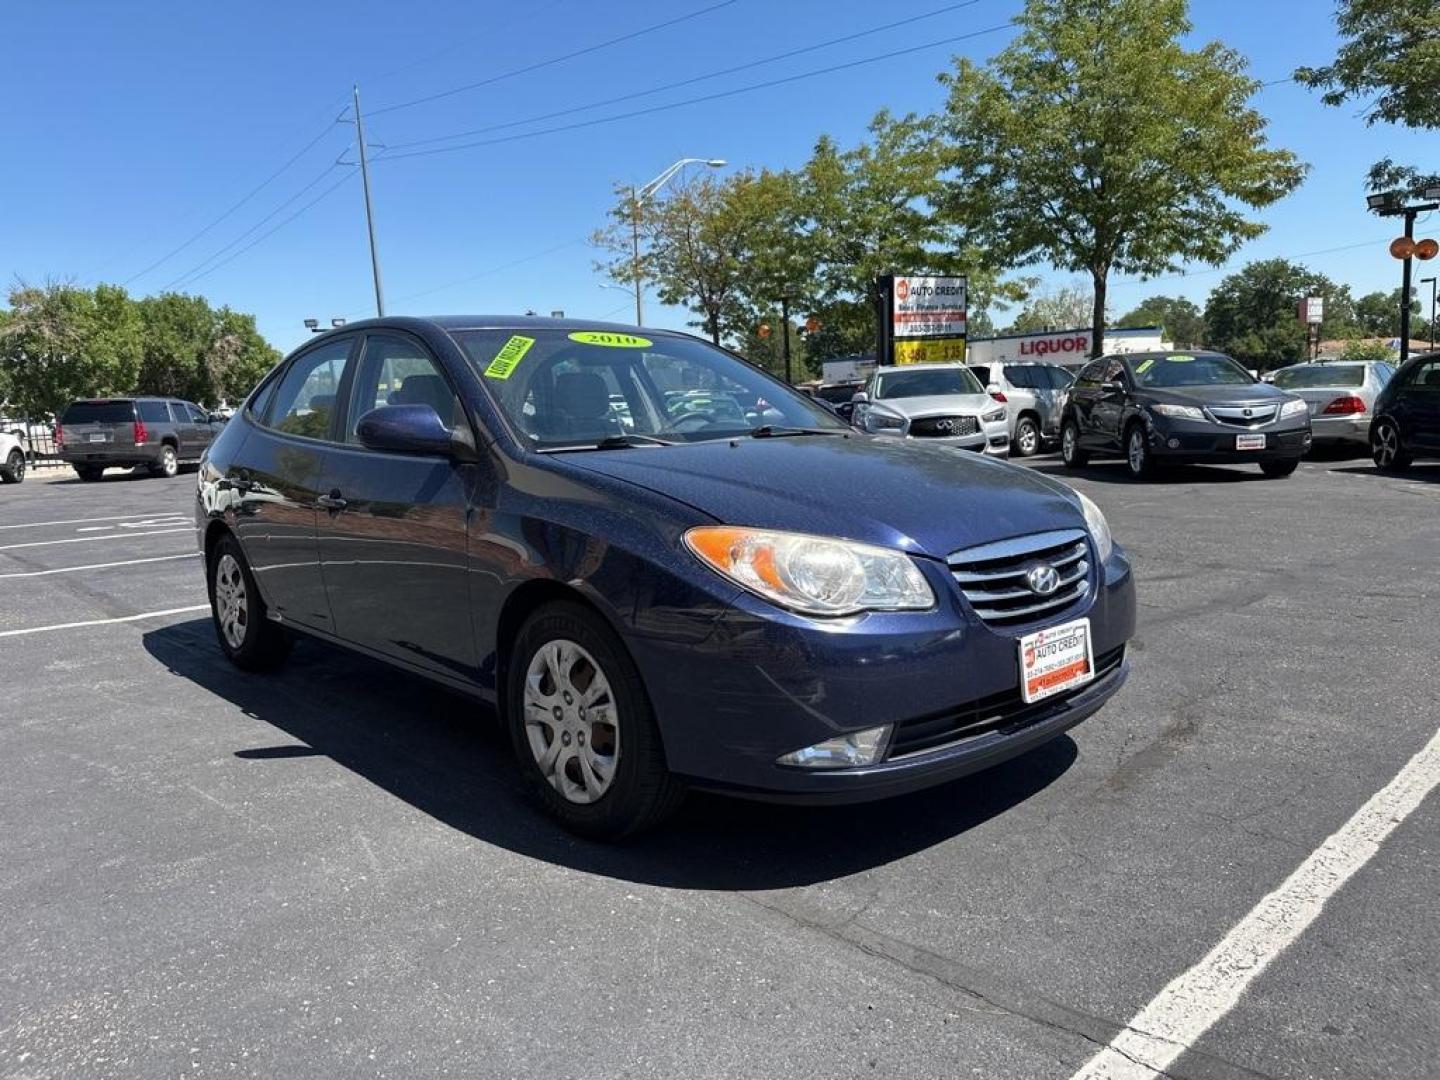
[[1367, 349], [1377, 314], [1063, 308], [1098, 142], [1181, 319], [1389, 58], [1253, 314]]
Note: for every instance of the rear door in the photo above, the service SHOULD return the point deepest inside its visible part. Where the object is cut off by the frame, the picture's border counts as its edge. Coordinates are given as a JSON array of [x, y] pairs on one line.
[[1109, 410], [393, 537], [278, 481]]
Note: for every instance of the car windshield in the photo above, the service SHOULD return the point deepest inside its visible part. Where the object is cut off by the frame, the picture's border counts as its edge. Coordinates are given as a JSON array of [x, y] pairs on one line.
[[1205, 369], [562, 388], [1313, 376], [923, 382]]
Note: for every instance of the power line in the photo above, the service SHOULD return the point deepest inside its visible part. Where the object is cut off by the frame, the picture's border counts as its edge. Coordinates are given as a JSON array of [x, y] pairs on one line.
[[706, 97], [788, 55], [426, 58], [553, 60], [1237, 262], [493, 270]]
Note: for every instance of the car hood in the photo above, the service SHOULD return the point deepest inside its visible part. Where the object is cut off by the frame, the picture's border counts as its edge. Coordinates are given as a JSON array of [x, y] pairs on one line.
[[1255, 394], [937, 405], [929, 500]]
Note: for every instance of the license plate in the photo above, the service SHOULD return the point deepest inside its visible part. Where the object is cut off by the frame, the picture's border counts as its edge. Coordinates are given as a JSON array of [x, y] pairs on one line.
[[1056, 659], [97, 438], [1249, 442]]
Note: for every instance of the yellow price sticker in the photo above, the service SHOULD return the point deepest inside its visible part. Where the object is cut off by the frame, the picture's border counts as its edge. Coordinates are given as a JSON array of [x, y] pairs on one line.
[[611, 340], [1145, 365], [1179, 359], [510, 355]]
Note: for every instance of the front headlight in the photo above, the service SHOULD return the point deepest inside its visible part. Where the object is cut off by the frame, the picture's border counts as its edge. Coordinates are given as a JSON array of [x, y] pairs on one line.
[[993, 417], [813, 574], [1178, 412], [886, 422], [1293, 408], [1099, 527]]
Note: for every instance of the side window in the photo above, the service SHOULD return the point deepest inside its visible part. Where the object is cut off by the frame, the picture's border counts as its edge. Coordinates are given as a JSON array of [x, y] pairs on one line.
[[398, 371], [1089, 376], [982, 373], [1114, 371], [197, 415], [1058, 378], [1427, 378], [260, 399], [1024, 376], [304, 402], [152, 412]]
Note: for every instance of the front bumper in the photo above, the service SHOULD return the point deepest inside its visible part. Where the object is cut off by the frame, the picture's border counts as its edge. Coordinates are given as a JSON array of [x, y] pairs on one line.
[[992, 439], [1202, 441], [765, 682]]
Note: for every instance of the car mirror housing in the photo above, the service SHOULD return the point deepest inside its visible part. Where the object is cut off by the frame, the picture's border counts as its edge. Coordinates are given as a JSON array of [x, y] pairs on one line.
[[1112, 387], [860, 398], [413, 429]]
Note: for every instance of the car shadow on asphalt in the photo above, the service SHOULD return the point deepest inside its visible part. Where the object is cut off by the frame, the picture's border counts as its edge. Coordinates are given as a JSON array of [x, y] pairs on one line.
[[446, 755], [1426, 472], [1115, 472]]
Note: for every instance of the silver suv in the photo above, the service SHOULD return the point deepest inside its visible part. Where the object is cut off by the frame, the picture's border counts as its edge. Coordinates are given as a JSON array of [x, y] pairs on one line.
[[1034, 397]]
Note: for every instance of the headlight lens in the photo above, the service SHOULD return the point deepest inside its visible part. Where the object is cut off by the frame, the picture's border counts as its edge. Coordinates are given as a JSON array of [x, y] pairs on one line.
[[1179, 412], [813, 574], [1293, 408], [886, 422], [993, 417], [1099, 527]]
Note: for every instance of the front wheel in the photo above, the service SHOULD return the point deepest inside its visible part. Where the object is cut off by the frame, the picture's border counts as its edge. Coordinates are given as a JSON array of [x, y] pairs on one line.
[[1275, 470], [1385, 448], [249, 639], [1070, 452], [1138, 458], [14, 470], [583, 728], [1027, 437]]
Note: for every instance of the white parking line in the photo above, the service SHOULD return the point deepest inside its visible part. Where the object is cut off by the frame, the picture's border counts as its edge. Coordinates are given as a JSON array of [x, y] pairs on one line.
[[104, 622], [86, 539], [99, 566], [1183, 1011], [86, 521]]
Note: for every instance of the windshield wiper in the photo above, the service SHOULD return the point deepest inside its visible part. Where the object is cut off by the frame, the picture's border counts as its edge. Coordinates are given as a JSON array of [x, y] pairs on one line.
[[610, 442], [775, 431]]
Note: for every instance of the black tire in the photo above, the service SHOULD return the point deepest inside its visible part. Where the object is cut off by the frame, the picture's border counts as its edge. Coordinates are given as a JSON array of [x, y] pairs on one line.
[[14, 470], [1139, 461], [641, 792], [1026, 442], [88, 473], [1279, 468], [169, 463], [1070, 452], [261, 645], [1387, 449]]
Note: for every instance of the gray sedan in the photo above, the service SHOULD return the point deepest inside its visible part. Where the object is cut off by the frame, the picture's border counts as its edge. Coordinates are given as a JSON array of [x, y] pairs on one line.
[[1341, 396]]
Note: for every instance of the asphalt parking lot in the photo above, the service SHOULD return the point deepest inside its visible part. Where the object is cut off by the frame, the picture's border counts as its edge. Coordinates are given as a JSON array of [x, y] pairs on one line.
[[332, 871]]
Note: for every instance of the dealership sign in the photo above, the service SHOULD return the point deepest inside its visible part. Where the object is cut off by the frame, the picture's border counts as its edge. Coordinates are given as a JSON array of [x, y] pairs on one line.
[[927, 318]]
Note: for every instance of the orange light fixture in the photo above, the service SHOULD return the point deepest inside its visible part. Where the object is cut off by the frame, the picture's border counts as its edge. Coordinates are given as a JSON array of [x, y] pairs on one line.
[[1402, 247], [763, 330], [812, 324], [1427, 248]]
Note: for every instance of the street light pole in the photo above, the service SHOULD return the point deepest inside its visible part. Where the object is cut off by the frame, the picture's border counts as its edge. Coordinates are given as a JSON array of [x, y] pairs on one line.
[[637, 199], [1405, 290], [1431, 280], [369, 211], [1388, 204]]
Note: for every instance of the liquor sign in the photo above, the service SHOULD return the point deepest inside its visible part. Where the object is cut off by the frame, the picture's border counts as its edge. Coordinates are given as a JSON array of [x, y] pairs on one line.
[[926, 319]]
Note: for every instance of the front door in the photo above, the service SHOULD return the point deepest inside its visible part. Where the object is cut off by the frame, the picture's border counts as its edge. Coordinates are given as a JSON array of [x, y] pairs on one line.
[[393, 535], [1109, 407], [1418, 408]]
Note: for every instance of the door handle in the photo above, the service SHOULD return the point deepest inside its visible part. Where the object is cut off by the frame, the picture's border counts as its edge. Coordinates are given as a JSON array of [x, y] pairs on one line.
[[332, 502], [236, 483]]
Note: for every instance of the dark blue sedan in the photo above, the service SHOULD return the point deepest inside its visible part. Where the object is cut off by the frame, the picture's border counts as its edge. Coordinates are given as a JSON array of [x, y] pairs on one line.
[[663, 567]]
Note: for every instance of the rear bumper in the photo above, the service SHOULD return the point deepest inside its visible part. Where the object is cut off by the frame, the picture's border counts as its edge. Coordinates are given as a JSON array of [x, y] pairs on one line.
[[113, 457], [1333, 429]]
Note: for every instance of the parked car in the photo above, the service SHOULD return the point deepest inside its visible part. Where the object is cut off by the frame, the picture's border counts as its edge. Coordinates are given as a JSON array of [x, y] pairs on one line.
[[1159, 407], [793, 610], [1034, 397], [1407, 415], [941, 403], [12, 458], [840, 397], [159, 434], [1340, 395]]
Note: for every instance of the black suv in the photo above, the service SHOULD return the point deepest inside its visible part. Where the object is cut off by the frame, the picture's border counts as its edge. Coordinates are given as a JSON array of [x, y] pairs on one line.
[[1200, 407], [155, 433], [1407, 415]]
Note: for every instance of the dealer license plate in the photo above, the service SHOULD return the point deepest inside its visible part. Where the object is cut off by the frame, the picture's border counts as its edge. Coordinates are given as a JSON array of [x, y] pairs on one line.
[[1250, 442], [97, 438], [1056, 659]]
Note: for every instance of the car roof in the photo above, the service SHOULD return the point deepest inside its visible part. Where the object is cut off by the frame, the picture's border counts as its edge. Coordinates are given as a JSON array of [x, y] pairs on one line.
[[498, 322], [920, 367]]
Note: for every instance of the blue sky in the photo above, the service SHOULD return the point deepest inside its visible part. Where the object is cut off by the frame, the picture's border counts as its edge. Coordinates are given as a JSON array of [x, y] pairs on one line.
[[125, 135]]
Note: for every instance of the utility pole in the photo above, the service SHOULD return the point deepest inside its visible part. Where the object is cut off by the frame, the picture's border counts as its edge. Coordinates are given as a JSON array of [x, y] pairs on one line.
[[369, 211], [1405, 291], [785, 337], [635, 250], [1431, 282]]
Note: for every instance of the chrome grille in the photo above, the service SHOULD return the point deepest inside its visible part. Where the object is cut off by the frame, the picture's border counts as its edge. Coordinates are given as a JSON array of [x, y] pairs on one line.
[[939, 427], [992, 576], [1244, 415]]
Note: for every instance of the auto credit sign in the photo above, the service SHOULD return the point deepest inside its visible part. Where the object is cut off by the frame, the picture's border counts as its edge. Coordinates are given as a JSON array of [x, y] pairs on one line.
[[927, 319]]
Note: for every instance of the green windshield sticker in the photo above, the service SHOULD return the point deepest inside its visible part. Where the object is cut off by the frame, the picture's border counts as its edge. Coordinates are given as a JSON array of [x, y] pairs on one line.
[[614, 341], [510, 354], [1145, 365], [1179, 359]]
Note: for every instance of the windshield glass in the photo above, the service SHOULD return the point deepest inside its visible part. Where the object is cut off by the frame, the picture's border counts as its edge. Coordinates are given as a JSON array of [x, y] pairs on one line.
[[925, 381], [1320, 375], [1208, 369], [564, 388]]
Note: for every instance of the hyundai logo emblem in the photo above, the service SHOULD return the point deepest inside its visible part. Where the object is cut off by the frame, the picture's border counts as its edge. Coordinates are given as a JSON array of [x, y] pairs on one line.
[[1043, 579]]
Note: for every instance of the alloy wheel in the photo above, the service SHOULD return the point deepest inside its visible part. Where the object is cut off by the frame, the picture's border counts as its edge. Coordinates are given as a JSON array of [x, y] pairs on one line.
[[16, 466], [1067, 441], [571, 722], [1385, 447], [232, 609], [1028, 438], [169, 464], [1136, 452]]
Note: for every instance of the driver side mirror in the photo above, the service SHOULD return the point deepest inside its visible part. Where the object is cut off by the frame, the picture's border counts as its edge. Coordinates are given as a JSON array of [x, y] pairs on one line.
[[860, 398], [414, 429], [1112, 386]]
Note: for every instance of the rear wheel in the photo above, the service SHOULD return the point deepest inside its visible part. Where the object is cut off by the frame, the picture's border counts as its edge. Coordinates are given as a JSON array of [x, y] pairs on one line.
[[583, 728], [249, 639], [88, 473], [1070, 452], [14, 470], [1277, 469], [1138, 458], [169, 463], [1386, 449], [1027, 437]]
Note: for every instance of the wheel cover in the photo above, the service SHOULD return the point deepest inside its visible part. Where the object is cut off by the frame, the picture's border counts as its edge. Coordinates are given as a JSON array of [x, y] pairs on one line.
[[1387, 445], [1028, 436], [571, 722], [168, 463], [1136, 451], [232, 609]]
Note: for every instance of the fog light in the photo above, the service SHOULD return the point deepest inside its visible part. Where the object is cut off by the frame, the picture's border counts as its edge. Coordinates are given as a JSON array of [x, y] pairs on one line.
[[1174, 444], [842, 752]]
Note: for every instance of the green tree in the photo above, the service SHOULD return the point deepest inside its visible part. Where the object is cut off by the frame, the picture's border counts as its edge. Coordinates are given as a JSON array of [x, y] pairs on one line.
[[1368, 350], [1253, 313], [1181, 319], [1098, 142], [1064, 308], [1377, 314]]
